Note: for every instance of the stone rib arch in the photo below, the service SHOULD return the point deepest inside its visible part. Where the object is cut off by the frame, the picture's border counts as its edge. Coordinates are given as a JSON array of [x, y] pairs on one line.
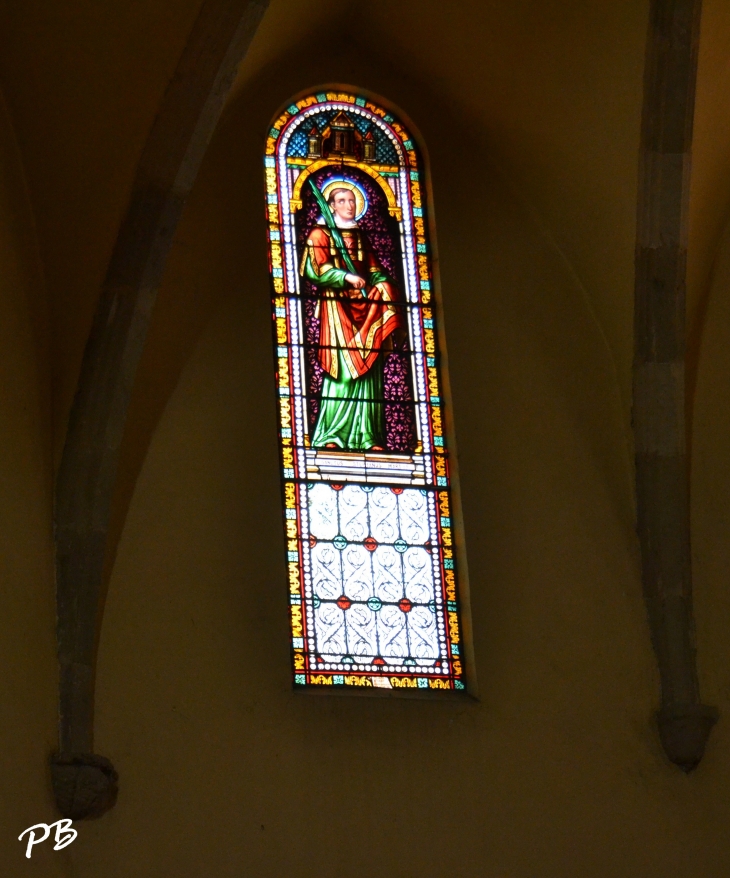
[[84, 783]]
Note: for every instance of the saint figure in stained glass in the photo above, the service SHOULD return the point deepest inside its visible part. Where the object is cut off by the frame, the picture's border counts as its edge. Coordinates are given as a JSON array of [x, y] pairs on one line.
[[356, 315]]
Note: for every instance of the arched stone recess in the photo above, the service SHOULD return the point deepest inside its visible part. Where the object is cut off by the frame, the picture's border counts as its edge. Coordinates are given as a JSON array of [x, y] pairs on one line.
[[218, 250], [516, 313], [520, 331]]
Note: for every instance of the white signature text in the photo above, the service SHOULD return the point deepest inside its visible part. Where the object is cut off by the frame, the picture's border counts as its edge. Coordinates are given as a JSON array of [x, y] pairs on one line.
[[64, 835]]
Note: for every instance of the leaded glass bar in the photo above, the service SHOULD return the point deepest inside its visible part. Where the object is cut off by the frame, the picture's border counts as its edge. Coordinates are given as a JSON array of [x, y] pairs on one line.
[[368, 507]]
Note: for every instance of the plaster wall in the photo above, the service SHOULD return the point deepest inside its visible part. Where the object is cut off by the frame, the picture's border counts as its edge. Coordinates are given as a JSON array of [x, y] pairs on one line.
[[709, 203], [27, 615], [711, 480]]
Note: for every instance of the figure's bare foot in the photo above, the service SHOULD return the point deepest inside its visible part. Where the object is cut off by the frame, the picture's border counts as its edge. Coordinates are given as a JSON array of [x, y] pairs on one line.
[[377, 448], [331, 445]]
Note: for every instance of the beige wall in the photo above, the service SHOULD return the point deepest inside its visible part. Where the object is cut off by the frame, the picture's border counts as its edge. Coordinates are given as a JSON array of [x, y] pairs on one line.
[[27, 613], [711, 481], [556, 772], [710, 186]]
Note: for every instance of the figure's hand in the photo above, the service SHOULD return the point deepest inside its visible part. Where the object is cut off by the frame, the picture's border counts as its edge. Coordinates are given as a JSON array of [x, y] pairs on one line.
[[355, 280]]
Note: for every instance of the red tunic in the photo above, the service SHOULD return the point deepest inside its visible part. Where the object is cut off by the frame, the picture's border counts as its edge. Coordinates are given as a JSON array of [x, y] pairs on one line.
[[354, 323]]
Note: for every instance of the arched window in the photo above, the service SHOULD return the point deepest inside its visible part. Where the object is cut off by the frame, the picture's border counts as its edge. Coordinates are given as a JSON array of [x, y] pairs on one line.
[[368, 505]]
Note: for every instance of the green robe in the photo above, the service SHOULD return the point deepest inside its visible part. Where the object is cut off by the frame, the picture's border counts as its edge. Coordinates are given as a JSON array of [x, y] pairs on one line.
[[352, 412]]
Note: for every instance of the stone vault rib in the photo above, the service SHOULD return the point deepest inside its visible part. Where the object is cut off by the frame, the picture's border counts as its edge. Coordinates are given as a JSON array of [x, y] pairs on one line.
[[84, 783], [662, 476]]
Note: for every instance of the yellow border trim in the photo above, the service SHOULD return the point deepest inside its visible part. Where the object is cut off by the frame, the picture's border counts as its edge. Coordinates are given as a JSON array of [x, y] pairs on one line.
[[295, 202]]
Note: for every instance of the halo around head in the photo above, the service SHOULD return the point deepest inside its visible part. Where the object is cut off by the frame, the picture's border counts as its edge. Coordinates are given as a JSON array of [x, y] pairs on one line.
[[361, 199]]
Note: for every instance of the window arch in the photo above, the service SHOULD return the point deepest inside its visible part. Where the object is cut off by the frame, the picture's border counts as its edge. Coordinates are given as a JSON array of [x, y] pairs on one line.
[[366, 472]]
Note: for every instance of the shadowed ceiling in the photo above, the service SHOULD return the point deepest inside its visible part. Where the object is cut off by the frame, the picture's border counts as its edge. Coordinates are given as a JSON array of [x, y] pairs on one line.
[[552, 92]]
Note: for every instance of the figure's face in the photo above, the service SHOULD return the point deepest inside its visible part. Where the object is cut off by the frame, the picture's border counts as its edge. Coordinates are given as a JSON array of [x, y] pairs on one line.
[[343, 205]]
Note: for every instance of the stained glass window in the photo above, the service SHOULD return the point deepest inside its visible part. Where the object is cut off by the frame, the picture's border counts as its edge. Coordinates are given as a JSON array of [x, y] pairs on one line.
[[371, 558]]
